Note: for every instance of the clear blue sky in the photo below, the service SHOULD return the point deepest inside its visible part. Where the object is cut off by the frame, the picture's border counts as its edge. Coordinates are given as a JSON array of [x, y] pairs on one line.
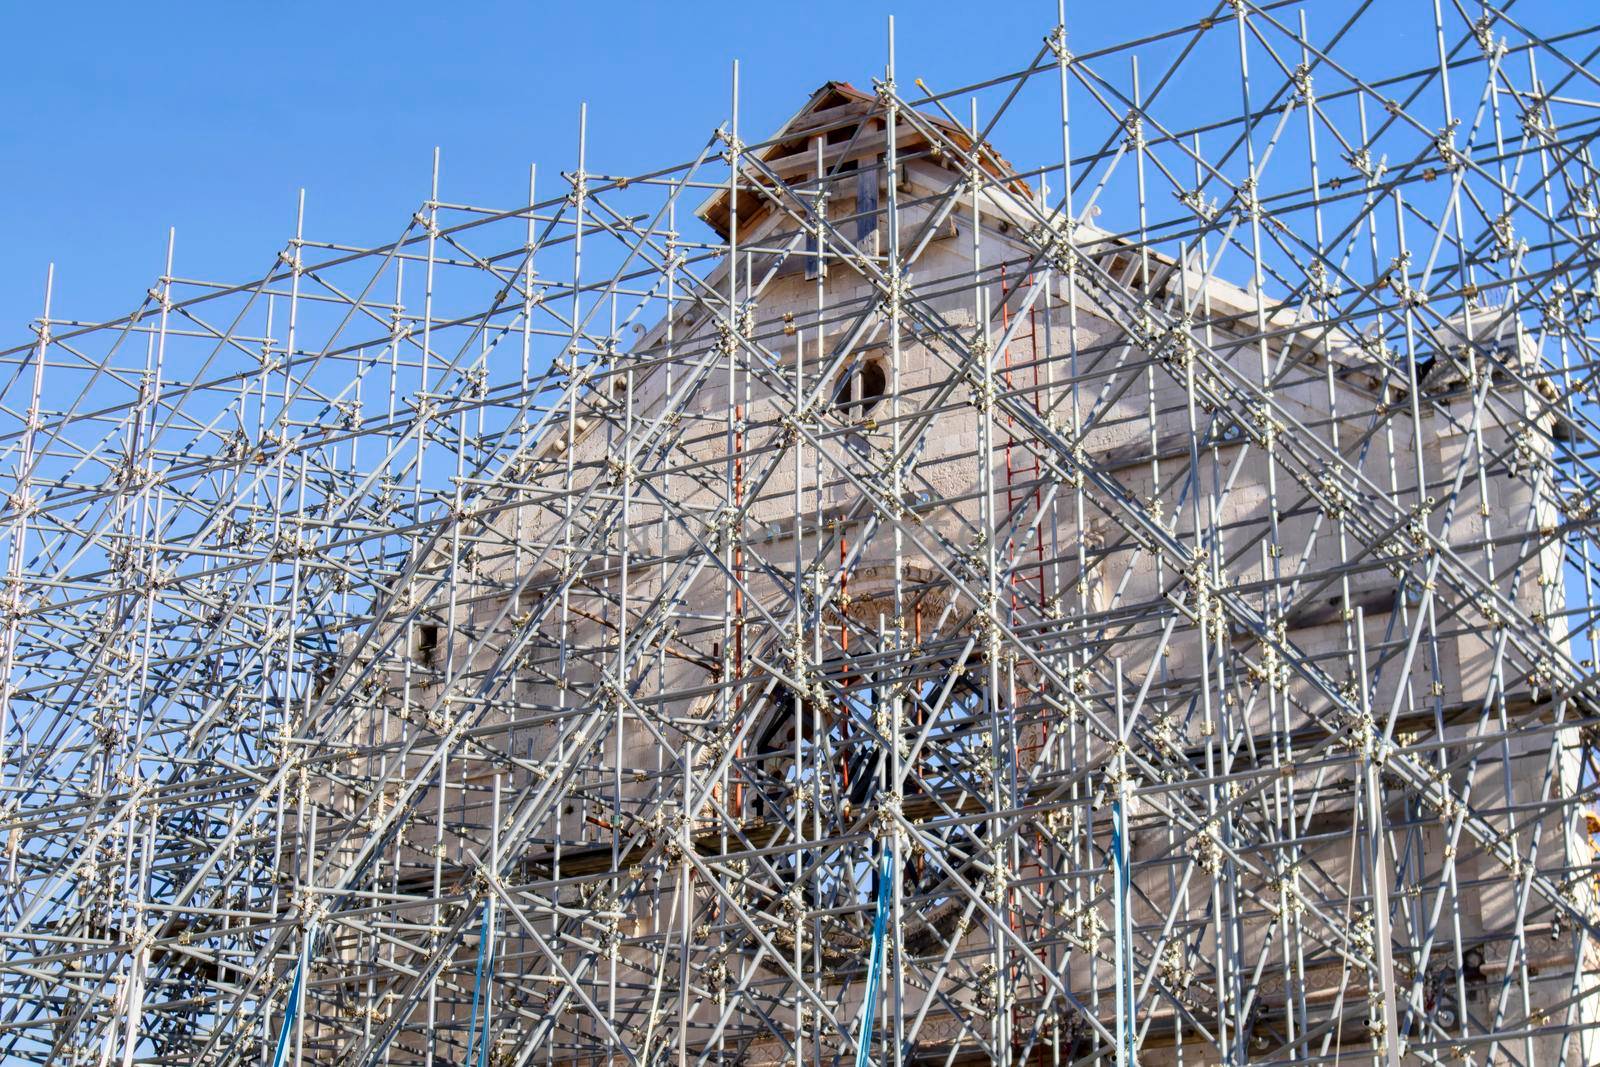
[[124, 119]]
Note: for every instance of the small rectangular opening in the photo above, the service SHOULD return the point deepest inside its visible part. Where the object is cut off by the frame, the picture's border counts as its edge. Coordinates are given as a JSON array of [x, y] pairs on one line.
[[427, 643]]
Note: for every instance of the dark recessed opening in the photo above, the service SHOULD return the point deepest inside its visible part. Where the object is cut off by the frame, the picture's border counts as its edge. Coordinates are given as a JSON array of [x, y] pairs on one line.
[[862, 388], [427, 643], [874, 381]]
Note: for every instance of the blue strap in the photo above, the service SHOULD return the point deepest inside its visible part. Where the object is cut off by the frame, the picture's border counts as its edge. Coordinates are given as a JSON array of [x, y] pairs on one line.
[[880, 927], [292, 1009], [1123, 936], [477, 985]]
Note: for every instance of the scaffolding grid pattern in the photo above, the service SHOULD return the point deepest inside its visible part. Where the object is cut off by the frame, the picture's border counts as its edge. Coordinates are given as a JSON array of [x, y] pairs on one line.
[[848, 595]]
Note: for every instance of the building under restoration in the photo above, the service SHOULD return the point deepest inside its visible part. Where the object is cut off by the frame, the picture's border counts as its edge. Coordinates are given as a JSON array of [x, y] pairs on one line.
[[852, 596]]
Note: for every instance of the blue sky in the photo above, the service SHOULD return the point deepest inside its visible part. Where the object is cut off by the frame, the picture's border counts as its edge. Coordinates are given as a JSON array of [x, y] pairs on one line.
[[210, 118], [125, 119]]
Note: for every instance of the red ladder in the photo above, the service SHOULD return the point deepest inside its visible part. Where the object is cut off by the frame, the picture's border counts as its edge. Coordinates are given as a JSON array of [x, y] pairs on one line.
[[1027, 588], [1027, 582]]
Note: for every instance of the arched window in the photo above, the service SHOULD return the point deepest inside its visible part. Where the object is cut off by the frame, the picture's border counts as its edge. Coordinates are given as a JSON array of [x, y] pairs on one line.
[[861, 388], [825, 763]]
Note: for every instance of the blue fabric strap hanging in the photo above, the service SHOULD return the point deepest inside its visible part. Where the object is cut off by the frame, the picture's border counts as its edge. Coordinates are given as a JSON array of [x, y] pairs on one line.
[[880, 927], [292, 1009], [1123, 943], [477, 987]]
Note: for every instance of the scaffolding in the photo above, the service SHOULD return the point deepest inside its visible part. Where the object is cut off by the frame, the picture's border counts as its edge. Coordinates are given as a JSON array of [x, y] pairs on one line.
[[850, 595]]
